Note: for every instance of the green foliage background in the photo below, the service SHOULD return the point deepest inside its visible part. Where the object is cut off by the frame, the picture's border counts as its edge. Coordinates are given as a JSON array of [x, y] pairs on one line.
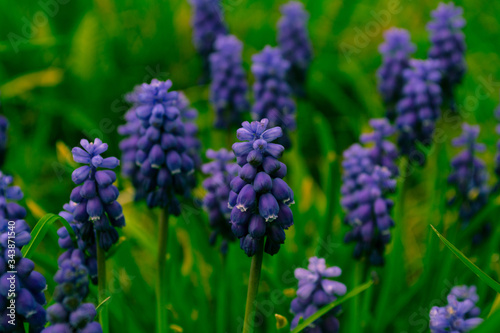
[[66, 79]]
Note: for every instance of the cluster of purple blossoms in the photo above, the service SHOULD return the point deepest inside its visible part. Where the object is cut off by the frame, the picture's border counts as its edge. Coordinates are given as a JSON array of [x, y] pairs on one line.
[[272, 92], [419, 107], [87, 250], [163, 156], [294, 43], [229, 87], [97, 210], [365, 187], [382, 152], [315, 291], [396, 53], [459, 315], [222, 170], [448, 46], [29, 284], [208, 24], [259, 196], [69, 314], [9, 208], [469, 175]]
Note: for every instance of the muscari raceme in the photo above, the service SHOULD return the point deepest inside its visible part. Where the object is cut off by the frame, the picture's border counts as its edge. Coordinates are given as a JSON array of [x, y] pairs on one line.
[[29, 284], [259, 196], [294, 43], [396, 52], [9, 208], [419, 108], [272, 92], [222, 170], [69, 314], [228, 88], [315, 291], [382, 151], [162, 154], [448, 46], [459, 315], [97, 210]]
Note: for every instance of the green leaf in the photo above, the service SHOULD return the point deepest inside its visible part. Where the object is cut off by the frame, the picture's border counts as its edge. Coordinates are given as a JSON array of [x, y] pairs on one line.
[[40, 230], [356, 291], [102, 303], [476, 270]]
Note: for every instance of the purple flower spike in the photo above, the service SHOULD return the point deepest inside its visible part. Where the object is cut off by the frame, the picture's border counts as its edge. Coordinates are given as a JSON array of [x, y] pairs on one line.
[[448, 46], [272, 93], [294, 43], [396, 52], [9, 208], [382, 152], [221, 170], [315, 291], [95, 194], [259, 198]]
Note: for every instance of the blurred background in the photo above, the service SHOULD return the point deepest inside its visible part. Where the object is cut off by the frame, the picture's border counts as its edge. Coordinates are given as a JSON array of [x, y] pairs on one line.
[[64, 69]]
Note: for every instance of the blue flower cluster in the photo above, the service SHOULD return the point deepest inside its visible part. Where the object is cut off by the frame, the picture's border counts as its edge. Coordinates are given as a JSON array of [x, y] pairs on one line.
[[459, 315], [315, 291], [222, 170], [382, 152], [229, 86], [396, 53], [365, 187], [448, 45], [419, 107], [163, 151], [272, 92], [69, 314], [259, 196], [9, 208], [97, 210], [469, 175], [29, 285], [294, 43]]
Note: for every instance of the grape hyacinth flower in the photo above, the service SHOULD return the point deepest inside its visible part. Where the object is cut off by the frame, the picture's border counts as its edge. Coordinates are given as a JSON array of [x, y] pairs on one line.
[[315, 291], [27, 306], [469, 175], [382, 152], [9, 208], [448, 46], [208, 23], [162, 148], [364, 198], [294, 43], [229, 87], [221, 171], [459, 315], [272, 93], [419, 107], [259, 196], [69, 313], [97, 210], [396, 52]]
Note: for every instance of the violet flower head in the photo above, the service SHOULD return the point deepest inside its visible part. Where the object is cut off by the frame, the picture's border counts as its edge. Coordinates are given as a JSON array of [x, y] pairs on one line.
[[419, 107], [396, 52], [382, 152], [315, 291], [272, 93], [69, 313], [365, 187], [163, 153], [459, 315], [97, 210], [29, 284], [9, 208], [222, 170], [228, 90], [448, 45], [294, 43], [259, 196], [469, 175]]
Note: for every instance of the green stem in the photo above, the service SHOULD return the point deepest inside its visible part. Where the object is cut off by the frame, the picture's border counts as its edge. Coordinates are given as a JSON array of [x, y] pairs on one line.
[[222, 299], [355, 306], [161, 281], [253, 287], [101, 278]]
